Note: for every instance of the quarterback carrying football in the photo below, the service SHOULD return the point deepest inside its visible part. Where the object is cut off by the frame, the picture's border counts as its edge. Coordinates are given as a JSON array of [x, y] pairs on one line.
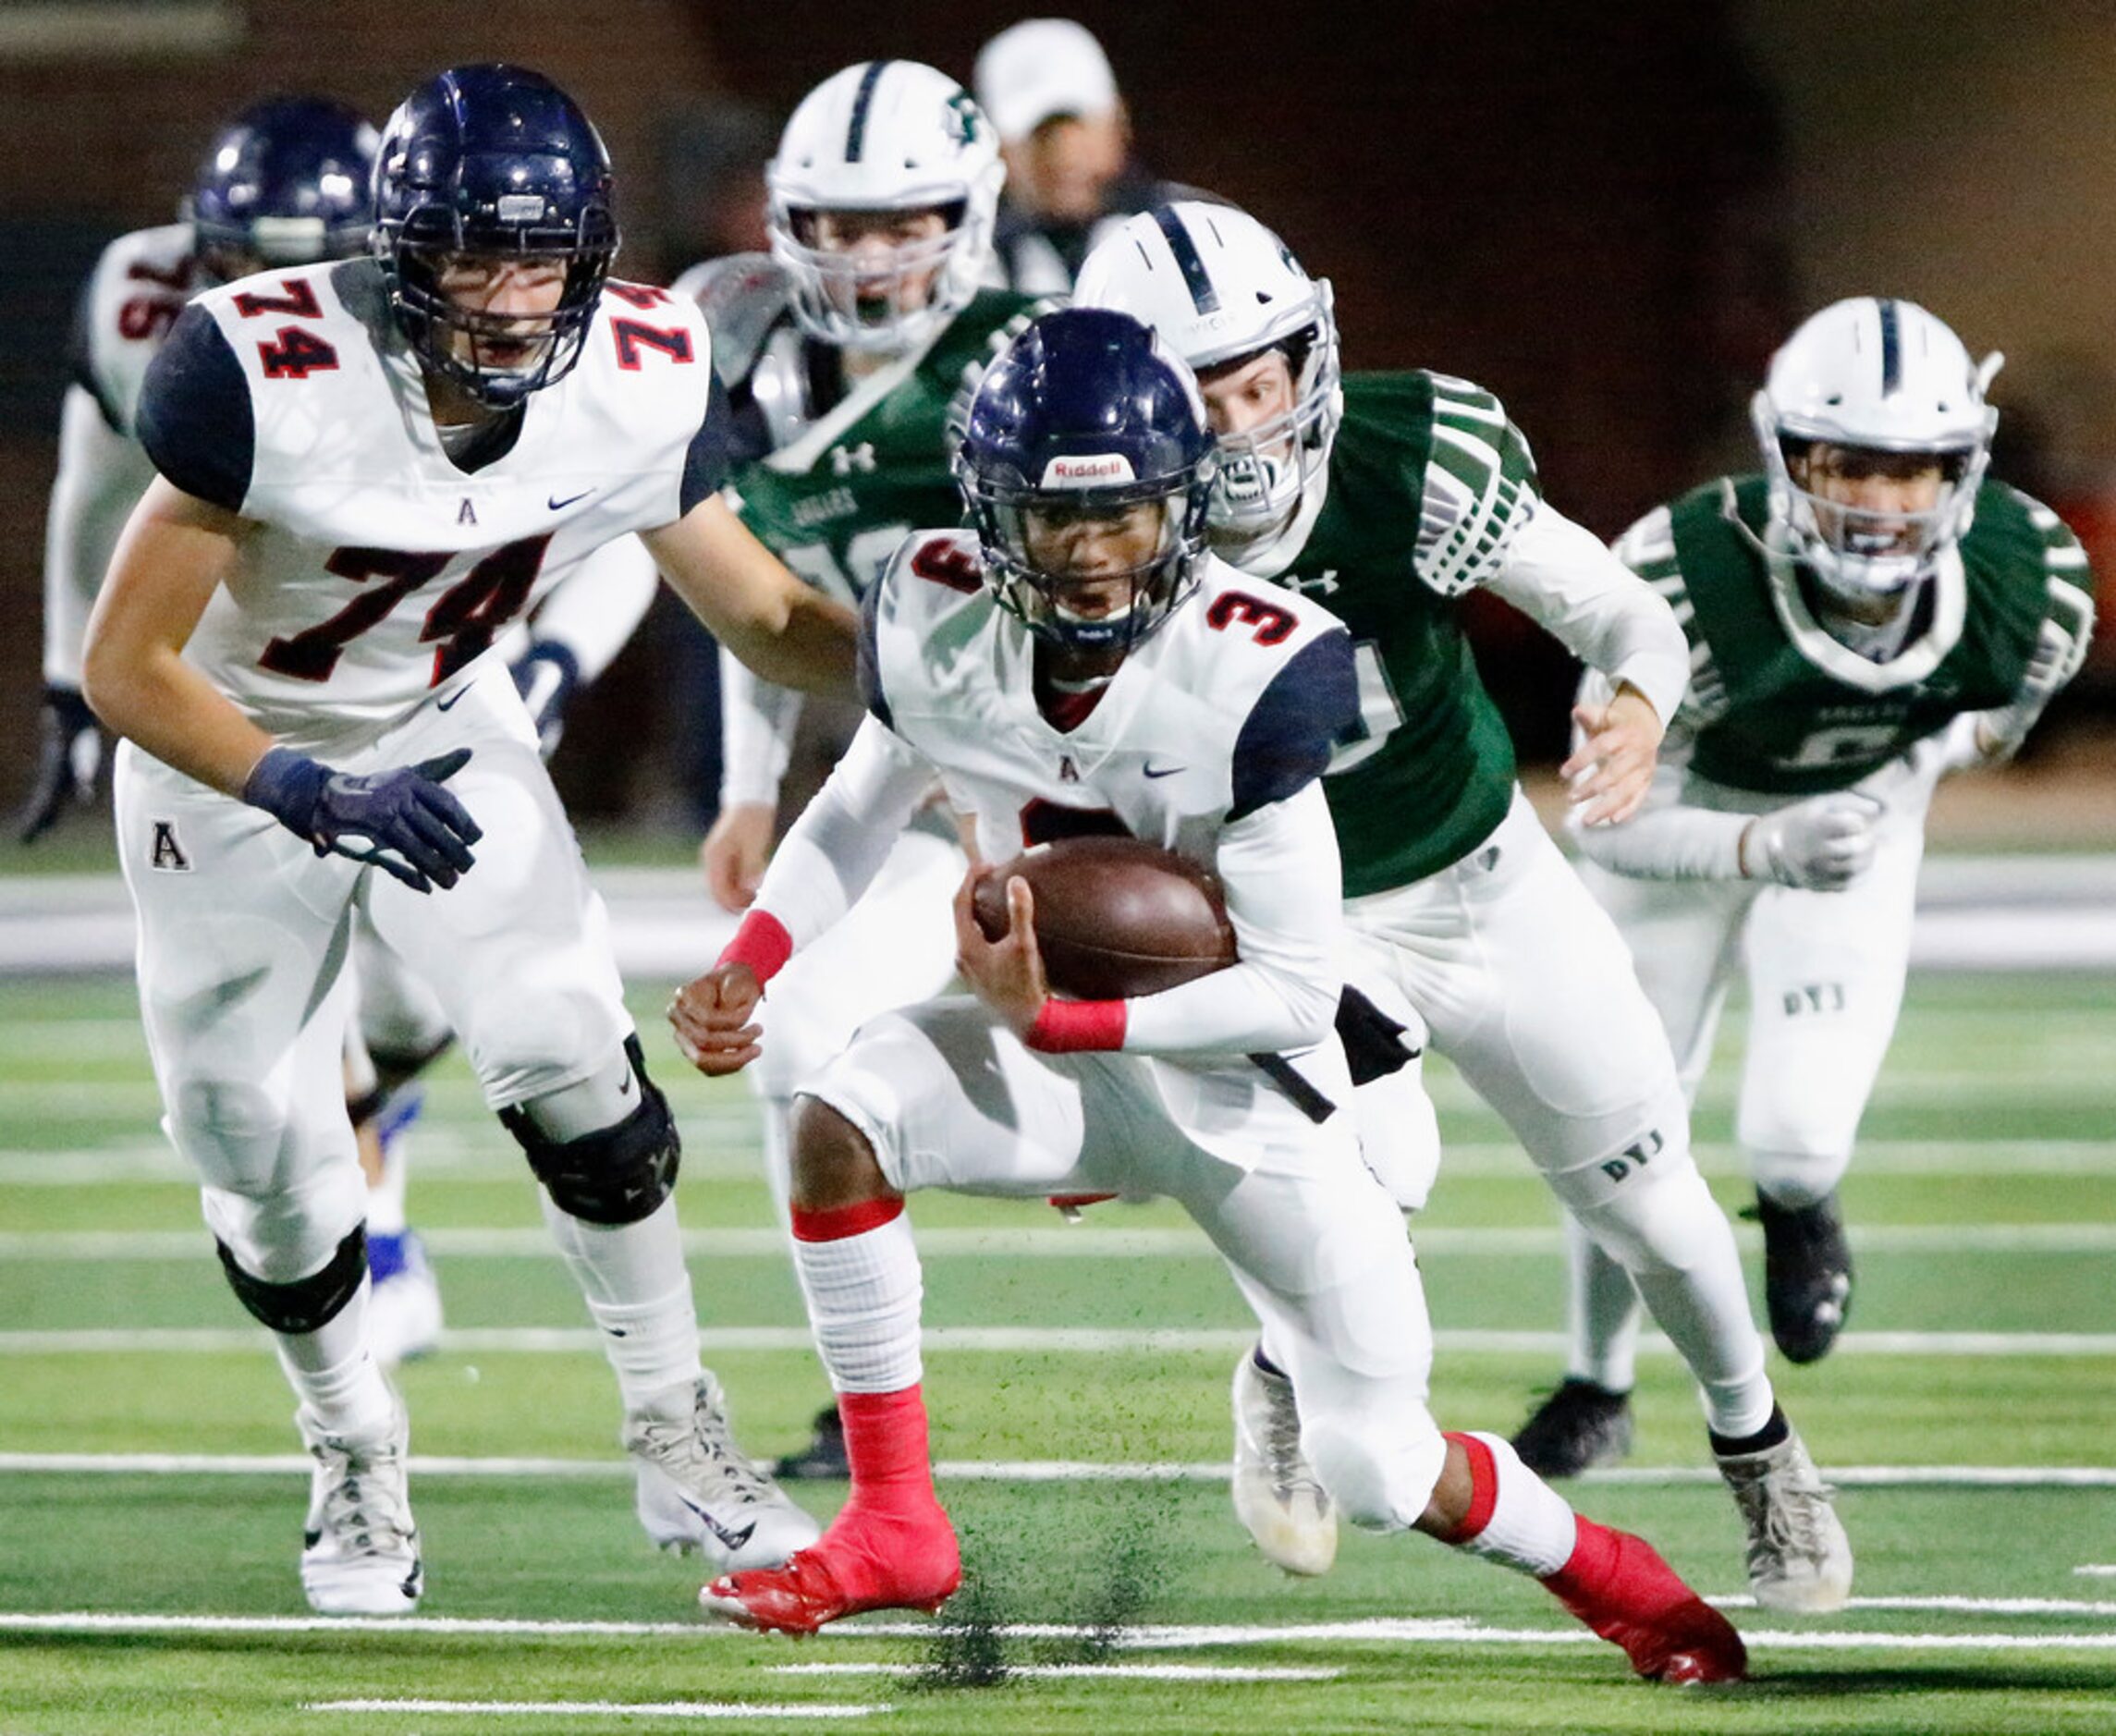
[[1079, 664]]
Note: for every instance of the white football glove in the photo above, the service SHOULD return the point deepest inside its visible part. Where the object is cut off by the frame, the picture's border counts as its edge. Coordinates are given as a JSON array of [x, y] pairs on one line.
[[1819, 845], [2061, 648]]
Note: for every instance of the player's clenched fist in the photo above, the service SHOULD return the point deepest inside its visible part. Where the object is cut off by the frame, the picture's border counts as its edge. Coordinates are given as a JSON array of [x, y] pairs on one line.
[[711, 1016]]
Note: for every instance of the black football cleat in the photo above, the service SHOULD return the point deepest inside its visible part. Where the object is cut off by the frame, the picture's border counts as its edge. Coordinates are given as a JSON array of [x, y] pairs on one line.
[[1807, 1275], [1578, 1425], [822, 1460]]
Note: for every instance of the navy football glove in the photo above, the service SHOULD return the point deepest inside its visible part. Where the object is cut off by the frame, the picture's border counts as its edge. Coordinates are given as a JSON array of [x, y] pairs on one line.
[[67, 760], [400, 819], [545, 676]]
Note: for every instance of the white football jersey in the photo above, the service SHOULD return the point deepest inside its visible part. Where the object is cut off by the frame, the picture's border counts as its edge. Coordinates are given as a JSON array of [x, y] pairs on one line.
[[129, 303], [1211, 717], [382, 571]]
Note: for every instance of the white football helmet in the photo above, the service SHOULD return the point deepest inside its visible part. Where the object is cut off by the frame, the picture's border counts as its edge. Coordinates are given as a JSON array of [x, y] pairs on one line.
[[884, 136], [1876, 374], [1219, 288]]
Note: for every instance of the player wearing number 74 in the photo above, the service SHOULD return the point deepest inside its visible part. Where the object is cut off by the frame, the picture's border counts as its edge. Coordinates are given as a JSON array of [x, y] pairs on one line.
[[367, 470]]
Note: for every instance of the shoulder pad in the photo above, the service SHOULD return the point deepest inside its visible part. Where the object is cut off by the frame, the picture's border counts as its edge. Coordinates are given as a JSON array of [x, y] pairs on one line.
[[744, 296]]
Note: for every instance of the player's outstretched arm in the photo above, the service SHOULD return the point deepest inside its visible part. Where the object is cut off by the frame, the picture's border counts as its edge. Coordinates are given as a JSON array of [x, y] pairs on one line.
[[785, 630], [174, 550]]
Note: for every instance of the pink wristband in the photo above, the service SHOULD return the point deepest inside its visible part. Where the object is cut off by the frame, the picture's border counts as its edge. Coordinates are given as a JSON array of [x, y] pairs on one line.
[[1065, 1026], [762, 942]]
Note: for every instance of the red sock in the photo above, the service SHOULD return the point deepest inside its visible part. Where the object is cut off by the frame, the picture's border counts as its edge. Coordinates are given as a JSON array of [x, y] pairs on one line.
[[886, 1442]]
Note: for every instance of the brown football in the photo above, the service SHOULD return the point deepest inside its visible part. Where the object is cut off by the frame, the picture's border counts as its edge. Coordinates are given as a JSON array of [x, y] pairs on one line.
[[1115, 916]]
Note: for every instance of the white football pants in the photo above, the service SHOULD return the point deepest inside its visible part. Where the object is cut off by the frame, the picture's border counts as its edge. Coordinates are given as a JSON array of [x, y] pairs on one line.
[[1527, 988], [948, 1097], [1825, 973], [244, 932]]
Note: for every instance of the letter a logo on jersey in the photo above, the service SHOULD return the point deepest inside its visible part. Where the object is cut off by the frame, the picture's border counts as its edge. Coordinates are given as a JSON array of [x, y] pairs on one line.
[[468, 514], [167, 855]]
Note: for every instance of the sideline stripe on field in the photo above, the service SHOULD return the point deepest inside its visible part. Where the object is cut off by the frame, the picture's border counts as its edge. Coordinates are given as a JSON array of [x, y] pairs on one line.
[[1131, 1672], [703, 1710], [1040, 1471], [444, 1154], [1010, 1340], [84, 1247], [1397, 1631]]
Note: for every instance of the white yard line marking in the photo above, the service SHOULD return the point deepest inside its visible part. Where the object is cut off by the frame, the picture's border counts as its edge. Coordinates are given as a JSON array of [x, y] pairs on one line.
[[701, 1710], [1090, 1470], [84, 1247], [2097, 1569], [1396, 1631], [1012, 1340], [457, 1150], [1130, 1672]]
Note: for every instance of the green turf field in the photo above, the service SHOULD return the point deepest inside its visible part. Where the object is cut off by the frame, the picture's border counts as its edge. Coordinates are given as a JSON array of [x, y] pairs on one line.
[[156, 1592]]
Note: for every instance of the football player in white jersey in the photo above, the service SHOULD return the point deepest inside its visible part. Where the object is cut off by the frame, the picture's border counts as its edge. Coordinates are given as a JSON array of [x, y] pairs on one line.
[[1389, 495], [845, 353], [288, 183], [367, 472], [1078, 665], [1867, 614]]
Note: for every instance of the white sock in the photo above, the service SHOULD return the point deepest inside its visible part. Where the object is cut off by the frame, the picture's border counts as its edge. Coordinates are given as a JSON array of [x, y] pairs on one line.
[[1530, 1527], [335, 1375], [1679, 1250], [638, 1292], [864, 1292], [1604, 1313]]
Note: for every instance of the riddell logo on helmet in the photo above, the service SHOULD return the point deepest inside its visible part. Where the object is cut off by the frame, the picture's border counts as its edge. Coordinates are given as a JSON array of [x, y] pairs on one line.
[[1084, 472]]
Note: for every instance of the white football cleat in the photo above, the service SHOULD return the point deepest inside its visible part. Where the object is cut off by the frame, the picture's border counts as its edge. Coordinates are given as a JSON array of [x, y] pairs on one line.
[[360, 1554], [1799, 1559], [698, 1491], [404, 1304], [1276, 1495]]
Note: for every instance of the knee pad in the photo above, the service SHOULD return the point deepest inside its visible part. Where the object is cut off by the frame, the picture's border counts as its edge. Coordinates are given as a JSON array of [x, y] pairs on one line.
[[1668, 1223], [618, 1175], [308, 1304]]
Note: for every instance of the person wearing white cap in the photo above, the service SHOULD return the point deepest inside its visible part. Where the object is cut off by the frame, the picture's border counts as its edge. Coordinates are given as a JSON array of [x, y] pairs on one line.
[[1066, 139]]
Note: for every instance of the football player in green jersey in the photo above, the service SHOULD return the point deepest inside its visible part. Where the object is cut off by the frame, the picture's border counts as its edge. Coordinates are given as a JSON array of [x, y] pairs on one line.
[[1865, 615], [843, 353], [1388, 497]]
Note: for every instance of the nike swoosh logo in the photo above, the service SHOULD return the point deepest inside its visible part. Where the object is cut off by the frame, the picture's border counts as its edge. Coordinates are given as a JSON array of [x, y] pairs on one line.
[[1161, 771], [558, 506], [450, 703], [729, 1539]]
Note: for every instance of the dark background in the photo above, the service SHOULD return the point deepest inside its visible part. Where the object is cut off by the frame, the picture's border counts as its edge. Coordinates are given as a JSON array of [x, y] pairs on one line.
[[1607, 215]]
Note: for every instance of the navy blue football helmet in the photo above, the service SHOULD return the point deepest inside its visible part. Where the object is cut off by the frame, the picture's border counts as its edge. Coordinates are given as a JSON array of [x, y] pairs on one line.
[[285, 183], [495, 160], [1085, 418]]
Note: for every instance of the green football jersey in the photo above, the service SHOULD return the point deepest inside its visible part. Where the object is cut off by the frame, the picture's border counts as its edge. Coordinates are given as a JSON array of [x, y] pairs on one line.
[[835, 504], [1776, 705], [1429, 480]]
